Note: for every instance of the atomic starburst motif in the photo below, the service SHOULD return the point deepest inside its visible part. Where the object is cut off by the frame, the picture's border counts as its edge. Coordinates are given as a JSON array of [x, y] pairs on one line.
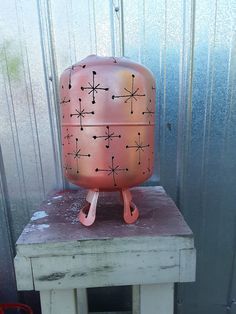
[[77, 155], [68, 136], [139, 146], [107, 137], [67, 168], [94, 88], [148, 112], [112, 170], [131, 95], [64, 101], [80, 114]]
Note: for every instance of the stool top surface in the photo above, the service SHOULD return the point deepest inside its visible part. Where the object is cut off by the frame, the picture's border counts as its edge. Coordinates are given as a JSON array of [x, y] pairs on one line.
[[56, 218]]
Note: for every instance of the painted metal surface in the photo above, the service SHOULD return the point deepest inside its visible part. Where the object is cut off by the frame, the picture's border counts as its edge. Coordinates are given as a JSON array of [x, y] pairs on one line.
[[108, 118], [190, 48], [107, 107]]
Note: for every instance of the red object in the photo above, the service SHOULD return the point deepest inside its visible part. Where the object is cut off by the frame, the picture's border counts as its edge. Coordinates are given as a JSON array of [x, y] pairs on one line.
[[15, 306], [108, 119]]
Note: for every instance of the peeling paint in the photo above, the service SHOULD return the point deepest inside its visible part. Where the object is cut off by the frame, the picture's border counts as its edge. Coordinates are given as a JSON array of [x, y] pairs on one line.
[[39, 215]]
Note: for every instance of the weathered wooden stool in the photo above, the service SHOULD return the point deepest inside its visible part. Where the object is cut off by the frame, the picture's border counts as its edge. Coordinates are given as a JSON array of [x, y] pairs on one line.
[[61, 258]]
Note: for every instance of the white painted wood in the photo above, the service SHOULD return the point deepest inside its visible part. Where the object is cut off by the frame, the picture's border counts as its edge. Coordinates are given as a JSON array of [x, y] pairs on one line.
[[82, 301], [64, 259], [157, 299], [59, 302], [23, 273], [136, 299], [187, 265], [46, 301], [97, 270], [106, 245]]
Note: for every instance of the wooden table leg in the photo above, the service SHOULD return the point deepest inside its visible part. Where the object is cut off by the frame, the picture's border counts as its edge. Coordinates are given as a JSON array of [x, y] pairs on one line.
[[153, 299], [82, 301], [64, 301]]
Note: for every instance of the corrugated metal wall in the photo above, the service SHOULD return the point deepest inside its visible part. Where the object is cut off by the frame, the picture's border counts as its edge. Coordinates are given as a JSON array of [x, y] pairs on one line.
[[191, 48]]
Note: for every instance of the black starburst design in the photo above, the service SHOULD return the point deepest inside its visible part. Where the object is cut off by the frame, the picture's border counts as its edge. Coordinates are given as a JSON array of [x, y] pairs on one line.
[[67, 167], [64, 101], [81, 113], [72, 69], [131, 96], [93, 88], [114, 170], [76, 154], [68, 136], [139, 146], [107, 137], [149, 112]]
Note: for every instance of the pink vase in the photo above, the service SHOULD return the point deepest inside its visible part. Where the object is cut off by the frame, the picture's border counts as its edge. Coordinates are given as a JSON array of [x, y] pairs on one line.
[[108, 118]]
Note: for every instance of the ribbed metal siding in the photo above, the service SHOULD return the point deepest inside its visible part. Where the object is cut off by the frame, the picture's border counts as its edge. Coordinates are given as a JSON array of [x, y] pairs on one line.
[[191, 48], [206, 181]]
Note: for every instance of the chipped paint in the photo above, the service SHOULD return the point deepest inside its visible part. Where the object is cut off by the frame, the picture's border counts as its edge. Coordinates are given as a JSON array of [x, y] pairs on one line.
[[39, 215]]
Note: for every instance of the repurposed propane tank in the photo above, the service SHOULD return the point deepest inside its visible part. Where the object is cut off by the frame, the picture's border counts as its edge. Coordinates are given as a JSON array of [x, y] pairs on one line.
[[108, 119]]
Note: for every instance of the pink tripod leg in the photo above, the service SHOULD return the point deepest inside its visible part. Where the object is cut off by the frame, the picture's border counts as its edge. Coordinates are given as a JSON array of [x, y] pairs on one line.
[[87, 214], [130, 209]]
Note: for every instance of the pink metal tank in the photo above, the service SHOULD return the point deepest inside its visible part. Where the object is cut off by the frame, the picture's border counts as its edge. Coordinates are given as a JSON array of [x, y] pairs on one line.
[[107, 117]]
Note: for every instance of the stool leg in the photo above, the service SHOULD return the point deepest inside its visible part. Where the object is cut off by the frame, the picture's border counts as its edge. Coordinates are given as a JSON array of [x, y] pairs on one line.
[[130, 209], [87, 214], [136, 299], [82, 301], [60, 302], [153, 299]]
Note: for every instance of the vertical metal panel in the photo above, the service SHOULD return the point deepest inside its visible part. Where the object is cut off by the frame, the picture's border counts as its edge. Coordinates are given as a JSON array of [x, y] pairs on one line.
[[142, 40], [7, 277], [29, 152], [50, 74], [206, 185], [81, 28], [175, 58]]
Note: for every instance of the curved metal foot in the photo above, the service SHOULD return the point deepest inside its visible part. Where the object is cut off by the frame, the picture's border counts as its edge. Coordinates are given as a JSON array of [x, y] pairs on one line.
[[131, 212], [87, 214]]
